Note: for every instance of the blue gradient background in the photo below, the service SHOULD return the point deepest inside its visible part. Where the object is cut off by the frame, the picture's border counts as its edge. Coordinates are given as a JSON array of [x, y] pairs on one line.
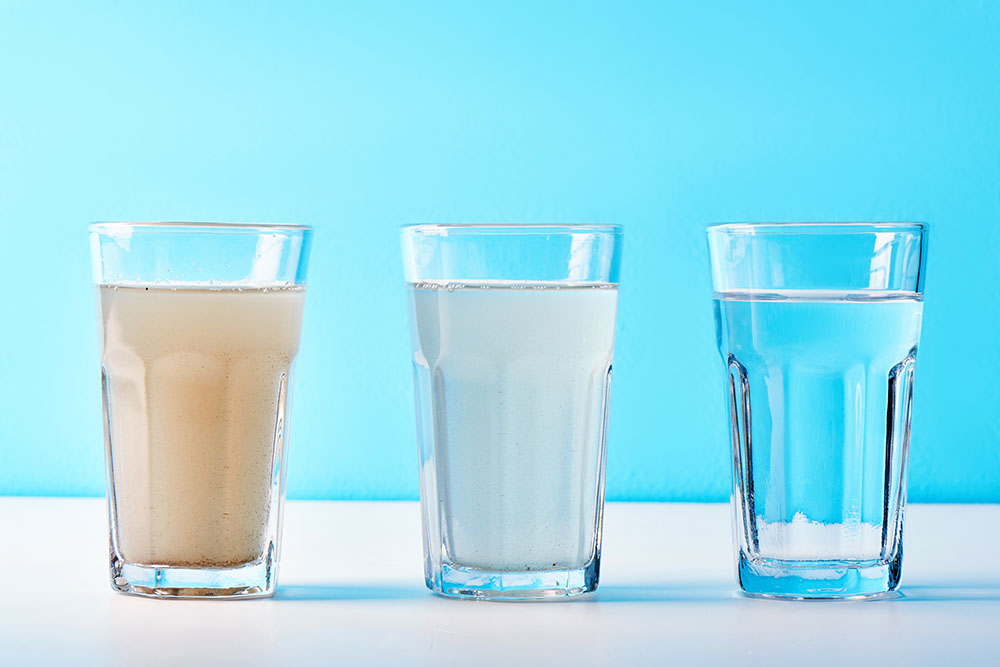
[[359, 117]]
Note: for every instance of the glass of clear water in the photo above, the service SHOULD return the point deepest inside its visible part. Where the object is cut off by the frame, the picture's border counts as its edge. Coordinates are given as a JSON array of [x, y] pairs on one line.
[[200, 326], [818, 325], [512, 330]]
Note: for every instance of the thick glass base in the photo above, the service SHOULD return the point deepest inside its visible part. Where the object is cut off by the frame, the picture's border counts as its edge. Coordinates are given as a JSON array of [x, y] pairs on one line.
[[464, 582], [805, 579], [253, 580]]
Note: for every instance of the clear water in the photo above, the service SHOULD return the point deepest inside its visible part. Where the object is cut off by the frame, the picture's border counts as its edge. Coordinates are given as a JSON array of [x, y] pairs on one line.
[[819, 396], [512, 387]]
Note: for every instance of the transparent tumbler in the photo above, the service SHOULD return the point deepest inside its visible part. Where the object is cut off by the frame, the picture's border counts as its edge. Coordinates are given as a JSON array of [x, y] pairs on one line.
[[818, 326], [200, 326], [512, 336]]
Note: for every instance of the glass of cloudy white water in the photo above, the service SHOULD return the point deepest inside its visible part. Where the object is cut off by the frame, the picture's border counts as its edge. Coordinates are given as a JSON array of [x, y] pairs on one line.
[[200, 327], [512, 336]]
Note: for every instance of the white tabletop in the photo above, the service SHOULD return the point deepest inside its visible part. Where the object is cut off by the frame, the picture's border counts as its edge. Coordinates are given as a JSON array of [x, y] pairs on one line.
[[351, 591]]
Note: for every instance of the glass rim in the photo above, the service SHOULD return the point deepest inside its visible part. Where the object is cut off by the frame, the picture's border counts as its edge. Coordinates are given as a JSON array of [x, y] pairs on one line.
[[444, 229], [168, 227], [754, 228]]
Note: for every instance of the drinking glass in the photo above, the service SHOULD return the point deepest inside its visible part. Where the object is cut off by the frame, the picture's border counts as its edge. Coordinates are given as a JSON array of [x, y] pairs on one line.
[[512, 335], [200, 327], [818, 325]]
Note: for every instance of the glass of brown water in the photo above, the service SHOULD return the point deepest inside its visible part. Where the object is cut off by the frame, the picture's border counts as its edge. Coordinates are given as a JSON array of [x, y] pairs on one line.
[[200, 329]]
